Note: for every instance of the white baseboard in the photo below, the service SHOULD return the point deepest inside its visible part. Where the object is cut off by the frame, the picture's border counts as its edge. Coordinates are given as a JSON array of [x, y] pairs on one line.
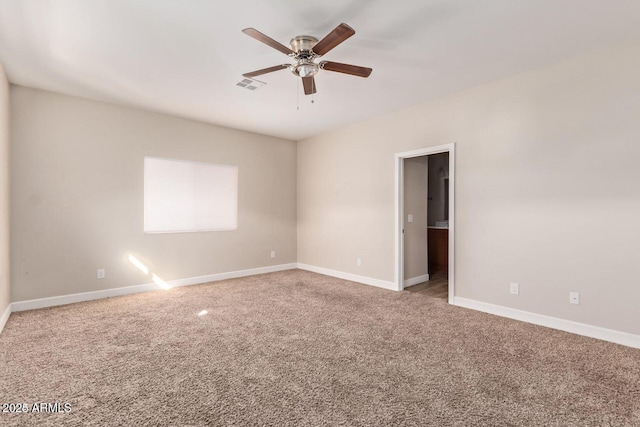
[[348, 276], [232, 275], [415, 280], [578, 328], [5, 317], [610, 335], [107, 293]]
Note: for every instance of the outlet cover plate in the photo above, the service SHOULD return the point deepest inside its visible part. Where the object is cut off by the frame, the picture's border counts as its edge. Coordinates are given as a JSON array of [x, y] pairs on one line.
[[514, 289], [574, 298]]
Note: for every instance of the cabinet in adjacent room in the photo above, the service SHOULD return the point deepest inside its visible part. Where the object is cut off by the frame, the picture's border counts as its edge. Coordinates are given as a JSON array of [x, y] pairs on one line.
[[438, 239]]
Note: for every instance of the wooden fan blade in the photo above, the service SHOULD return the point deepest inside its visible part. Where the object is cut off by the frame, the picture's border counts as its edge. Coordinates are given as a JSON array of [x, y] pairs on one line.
[[309, 84], [265, 70], [252, 32], [353, 70], [333, 39]]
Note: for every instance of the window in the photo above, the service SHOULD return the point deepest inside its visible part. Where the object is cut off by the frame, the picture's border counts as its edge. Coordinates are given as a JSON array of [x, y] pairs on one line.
[[183, 196]]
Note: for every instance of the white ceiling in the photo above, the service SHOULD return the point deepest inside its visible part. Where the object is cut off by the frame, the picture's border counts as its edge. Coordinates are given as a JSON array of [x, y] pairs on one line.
[[185, 57]]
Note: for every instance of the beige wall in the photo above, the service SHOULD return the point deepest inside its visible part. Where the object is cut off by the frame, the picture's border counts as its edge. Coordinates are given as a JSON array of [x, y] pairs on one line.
[[77, 196], [547, 189], [415, 203], [5, 289]]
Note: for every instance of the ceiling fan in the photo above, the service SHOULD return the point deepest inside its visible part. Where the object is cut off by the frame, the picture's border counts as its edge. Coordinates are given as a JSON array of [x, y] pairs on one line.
[[305, 50]]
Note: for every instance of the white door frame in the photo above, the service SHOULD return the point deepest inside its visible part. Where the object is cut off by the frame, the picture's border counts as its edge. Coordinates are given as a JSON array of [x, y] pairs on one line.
[[399, 214]]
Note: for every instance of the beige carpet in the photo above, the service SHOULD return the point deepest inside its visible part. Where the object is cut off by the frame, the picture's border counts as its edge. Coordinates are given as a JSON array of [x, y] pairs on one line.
[[301, 349]]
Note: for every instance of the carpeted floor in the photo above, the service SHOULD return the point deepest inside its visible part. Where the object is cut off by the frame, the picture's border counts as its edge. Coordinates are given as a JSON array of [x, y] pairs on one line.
[[301, 349]]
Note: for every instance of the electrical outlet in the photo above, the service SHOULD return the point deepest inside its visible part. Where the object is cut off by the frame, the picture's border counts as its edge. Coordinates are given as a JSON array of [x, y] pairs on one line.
[[101, 273], [574, 298], [359, 262], [514, 289], [273, 254]]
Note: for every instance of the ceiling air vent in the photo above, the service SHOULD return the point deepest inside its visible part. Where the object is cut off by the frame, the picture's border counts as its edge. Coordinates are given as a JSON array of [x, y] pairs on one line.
[[250, 84]]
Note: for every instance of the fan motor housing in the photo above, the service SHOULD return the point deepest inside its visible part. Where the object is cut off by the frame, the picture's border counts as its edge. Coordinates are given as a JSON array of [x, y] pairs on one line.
[[303, 43]]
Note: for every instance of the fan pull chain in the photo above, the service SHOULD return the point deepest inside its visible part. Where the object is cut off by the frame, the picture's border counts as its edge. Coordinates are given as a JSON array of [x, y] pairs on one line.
[[298, 94]]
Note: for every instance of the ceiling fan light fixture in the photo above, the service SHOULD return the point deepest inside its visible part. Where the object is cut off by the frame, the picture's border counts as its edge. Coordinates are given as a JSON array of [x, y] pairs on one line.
[[304, 51], [306, 69]]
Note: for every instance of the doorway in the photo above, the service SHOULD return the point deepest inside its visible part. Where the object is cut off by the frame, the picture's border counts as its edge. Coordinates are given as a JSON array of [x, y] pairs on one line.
[[437, 215]]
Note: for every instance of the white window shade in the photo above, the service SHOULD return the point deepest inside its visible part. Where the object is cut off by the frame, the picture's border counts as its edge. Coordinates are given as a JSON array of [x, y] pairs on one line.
[[184, 196]]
